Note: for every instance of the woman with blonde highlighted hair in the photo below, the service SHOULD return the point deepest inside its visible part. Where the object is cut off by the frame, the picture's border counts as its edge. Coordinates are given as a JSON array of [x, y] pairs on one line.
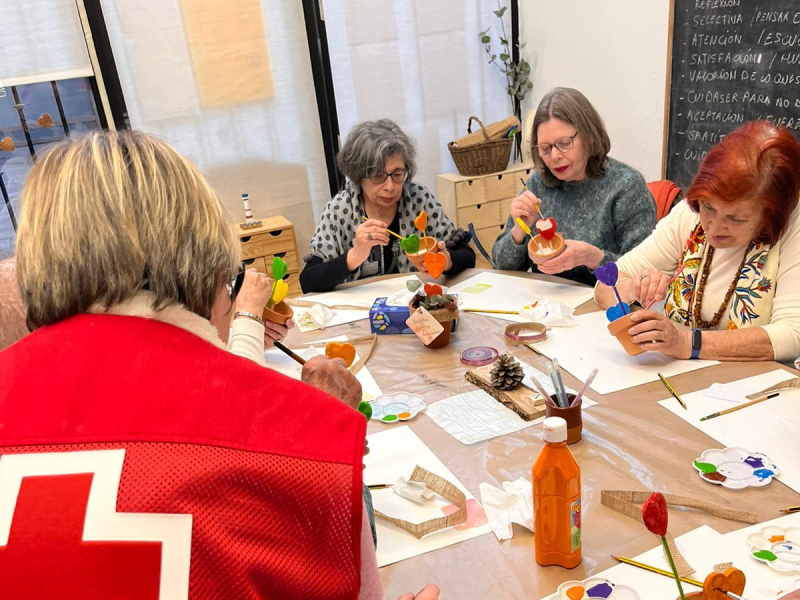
[[125, 393]]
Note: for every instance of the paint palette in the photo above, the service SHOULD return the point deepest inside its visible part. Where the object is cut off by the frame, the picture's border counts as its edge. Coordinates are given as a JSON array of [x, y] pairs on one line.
[[594, 587], [735, 468], [391, 408], [777, 547]]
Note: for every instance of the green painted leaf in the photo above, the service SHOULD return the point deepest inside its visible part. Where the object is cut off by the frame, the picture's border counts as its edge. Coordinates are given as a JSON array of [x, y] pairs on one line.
[[279, 268], [410, 244], [705, 467], [486, 39], [413, 285], [365, 408], [499, 13], [765, 555]]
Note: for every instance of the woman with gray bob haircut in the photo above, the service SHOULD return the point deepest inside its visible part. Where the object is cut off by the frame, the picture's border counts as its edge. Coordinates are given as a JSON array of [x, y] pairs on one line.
[[351, 241]]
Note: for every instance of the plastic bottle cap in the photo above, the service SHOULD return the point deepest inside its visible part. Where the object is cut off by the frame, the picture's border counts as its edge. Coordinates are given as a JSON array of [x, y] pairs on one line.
[[555, 430]]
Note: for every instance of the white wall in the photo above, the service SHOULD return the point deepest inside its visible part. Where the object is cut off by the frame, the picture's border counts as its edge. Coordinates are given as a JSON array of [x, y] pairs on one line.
[[615, 52]]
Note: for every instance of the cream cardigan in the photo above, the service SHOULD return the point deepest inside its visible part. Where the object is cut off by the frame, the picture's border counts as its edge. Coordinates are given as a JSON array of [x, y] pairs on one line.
[[662, 251]]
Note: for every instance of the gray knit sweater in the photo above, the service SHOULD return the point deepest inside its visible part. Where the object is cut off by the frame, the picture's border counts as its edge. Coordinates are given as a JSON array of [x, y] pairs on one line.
[[614, 213]]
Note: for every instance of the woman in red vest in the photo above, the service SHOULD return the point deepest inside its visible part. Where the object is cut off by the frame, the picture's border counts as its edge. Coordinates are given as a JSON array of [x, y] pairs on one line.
[[138, 458]]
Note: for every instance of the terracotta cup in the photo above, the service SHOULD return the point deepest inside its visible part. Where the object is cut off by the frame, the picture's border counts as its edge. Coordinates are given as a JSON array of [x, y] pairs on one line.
[[430, 244], [280, 313], [572, 415], [556, 244], [619, 329]]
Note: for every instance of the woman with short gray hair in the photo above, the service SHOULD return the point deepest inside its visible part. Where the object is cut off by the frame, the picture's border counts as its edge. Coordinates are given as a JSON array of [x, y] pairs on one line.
[[351, 241]]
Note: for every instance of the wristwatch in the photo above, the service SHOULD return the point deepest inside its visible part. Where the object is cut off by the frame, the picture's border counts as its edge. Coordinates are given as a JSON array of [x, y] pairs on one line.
[[697, 342]]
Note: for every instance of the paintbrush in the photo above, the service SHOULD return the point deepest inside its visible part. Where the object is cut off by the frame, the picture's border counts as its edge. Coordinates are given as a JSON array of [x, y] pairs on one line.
[[671, 281], [288, 352]]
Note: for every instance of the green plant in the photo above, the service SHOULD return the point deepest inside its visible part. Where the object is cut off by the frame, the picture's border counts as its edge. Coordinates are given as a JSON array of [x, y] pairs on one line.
[[431, 297], [517, 73]]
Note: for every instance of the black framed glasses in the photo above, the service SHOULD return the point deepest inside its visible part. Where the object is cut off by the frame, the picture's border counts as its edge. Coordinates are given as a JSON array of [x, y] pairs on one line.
[[235, 286], [398, 176], [565, 144]]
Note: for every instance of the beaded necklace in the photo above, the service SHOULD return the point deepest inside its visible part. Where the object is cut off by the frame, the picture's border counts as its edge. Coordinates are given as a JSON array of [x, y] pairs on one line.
[[698, 300]]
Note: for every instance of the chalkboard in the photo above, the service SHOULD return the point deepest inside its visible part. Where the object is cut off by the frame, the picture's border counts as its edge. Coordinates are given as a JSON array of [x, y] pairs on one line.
[[732, 61]]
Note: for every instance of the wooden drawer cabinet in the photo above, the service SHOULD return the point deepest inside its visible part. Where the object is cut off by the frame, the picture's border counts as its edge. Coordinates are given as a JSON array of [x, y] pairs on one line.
[[484, 201], [261, 245], [487, 214]]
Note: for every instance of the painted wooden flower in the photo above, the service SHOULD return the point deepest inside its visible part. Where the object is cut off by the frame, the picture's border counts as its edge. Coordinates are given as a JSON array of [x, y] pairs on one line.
[[654, 514], [608, 274]]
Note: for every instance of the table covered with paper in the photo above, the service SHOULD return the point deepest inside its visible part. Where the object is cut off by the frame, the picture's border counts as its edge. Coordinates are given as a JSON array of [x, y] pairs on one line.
[[630, 442]]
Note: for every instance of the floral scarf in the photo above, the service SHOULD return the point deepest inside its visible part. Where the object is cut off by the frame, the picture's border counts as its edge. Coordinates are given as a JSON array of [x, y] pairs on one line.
[[751, 302]]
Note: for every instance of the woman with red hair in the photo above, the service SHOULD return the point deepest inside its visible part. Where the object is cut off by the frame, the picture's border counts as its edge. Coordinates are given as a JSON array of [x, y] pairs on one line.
[[736, 242]]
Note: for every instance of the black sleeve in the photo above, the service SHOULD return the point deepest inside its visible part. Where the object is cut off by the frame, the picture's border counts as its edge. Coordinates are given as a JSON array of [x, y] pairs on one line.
[[463, 258], [319, 276]]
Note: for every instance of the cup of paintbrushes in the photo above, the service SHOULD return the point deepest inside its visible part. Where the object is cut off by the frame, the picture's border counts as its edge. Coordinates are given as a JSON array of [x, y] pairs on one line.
[[571, 414]]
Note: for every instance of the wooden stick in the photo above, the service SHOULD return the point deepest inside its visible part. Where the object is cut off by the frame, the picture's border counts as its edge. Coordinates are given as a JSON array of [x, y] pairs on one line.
[[309, 304], [399, 237], [494, 312]]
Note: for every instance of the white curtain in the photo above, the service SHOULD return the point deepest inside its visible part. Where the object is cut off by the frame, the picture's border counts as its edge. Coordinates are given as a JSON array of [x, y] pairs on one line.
[[419, 63], [42, 41], [230, 86]]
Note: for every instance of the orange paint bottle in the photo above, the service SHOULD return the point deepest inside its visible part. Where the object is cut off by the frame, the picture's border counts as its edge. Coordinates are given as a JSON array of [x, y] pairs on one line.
[[556, 480]]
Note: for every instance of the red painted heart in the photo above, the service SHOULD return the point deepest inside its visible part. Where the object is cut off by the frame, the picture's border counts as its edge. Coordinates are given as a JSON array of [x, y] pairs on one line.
[[432, 289], [547, 228]]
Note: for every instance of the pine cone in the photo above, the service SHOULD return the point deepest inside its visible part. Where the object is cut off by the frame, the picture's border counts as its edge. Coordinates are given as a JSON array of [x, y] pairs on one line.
[[507, 373]]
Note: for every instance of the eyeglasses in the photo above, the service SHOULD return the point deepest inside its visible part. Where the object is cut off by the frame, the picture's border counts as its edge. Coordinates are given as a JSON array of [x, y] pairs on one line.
[[397, 176], [235, 286], [565, 144]]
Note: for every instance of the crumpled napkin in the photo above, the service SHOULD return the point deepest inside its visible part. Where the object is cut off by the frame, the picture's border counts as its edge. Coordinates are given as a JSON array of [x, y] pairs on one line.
[[512, 504], [400, 298], [321, 315], [551, 314], [413, 490]]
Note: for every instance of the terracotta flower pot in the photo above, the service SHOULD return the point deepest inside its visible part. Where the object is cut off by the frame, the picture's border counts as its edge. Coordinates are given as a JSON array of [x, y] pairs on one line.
[[426, 245], [619, 329], [552, 248], [280, 313], [445, 316], [571, 414]]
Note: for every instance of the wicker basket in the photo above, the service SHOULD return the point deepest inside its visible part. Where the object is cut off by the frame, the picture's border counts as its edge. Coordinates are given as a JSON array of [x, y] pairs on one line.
[[489, 156]]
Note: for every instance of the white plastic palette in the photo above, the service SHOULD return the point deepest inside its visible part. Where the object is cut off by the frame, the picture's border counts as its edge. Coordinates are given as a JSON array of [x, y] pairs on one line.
[[777, 547], [391, 408], [735, 468], [594, 587]]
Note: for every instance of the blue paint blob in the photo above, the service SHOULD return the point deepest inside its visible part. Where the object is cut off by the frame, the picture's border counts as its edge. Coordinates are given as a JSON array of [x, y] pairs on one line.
[[615, 312], [763, 474]]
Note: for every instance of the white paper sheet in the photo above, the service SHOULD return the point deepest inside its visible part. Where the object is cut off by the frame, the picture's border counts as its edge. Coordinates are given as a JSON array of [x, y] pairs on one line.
[[362, 295], [278, 361], [393, 454], [475, 416], [763, 583], [771, 427], [589, 345], [506, 292], [702, 548]]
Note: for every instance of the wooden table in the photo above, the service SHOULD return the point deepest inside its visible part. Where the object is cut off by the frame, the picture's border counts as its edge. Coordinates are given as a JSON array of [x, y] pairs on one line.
[[629, 443]]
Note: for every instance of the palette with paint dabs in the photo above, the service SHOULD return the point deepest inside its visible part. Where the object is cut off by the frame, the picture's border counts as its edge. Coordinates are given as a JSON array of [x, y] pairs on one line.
[[735, 468], [594, 587], [777, 547], [391, 408]]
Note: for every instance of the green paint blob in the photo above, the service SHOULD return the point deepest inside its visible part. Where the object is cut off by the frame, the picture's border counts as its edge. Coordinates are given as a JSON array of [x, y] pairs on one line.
[[765, 555], [705, 467], [389, 418]]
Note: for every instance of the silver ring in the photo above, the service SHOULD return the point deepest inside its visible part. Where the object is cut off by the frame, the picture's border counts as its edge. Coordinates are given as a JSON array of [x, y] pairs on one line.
[[369, 237], [643, 277]]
